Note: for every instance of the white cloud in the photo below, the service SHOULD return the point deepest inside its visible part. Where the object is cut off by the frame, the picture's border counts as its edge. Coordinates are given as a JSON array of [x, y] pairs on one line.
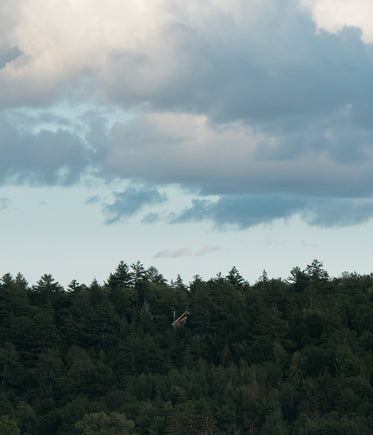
[[334, 15], [59, 40], [133, 50]]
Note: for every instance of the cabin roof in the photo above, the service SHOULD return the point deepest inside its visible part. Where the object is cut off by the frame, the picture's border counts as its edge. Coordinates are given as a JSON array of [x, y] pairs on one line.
[[181, 319]]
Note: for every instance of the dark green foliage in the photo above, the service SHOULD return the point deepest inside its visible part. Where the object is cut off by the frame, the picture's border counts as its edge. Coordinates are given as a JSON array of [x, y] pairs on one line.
[[8, 426], [98, 423], [277, 357]]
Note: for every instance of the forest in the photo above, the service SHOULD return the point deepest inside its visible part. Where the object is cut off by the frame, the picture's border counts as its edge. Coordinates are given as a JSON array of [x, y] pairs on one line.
[[278, 356]]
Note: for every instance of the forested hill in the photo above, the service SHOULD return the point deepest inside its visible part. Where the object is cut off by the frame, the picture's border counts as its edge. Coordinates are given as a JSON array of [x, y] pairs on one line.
[[276, 357]]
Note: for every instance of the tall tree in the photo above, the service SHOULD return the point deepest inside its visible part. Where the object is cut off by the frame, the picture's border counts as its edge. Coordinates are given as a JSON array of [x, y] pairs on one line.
[[122, 277]]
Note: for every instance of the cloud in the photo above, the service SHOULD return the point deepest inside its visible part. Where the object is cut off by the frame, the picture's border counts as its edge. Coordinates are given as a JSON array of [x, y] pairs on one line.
[[245, 211], [131, 201], [187, 252], [44, 157], [60, 43], [240, 210], [93, 199], [329, 158], [227, 60], [5, 203], [150, 218], [265, 105], [7, 54], [342, 212], [334, 15]]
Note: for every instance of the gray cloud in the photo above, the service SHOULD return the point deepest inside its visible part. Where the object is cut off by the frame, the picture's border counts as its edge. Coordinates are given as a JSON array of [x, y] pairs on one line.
[[250, 69], [323, 160], [150, 218], [93, 199], [240, 210], [342, 212], [7, 54], [247, 102], [230, 62], [247, 211], [44, 157], [130, 201]]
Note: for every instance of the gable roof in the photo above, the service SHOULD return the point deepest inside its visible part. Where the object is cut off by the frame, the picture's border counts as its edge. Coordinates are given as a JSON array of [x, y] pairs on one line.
[[182, 319]]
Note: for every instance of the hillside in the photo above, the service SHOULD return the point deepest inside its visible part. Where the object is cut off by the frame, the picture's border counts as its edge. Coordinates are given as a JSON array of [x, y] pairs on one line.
[[274, 357]]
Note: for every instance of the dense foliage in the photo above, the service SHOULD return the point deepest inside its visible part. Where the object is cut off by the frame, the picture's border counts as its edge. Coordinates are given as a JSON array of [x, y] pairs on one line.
[[277, 357]]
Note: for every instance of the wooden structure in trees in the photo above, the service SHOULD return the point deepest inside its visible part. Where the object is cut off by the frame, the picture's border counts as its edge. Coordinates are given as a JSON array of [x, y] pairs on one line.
[[180, 321]]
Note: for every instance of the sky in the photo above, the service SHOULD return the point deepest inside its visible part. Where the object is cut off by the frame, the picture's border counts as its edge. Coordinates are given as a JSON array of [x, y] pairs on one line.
[[192, 136]]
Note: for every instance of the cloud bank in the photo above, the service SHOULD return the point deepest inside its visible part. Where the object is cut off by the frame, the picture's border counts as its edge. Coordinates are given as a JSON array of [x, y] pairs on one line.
[[264, 104]]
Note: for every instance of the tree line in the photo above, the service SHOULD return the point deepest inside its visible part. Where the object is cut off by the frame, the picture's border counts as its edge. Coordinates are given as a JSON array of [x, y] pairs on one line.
[[278, 356]]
